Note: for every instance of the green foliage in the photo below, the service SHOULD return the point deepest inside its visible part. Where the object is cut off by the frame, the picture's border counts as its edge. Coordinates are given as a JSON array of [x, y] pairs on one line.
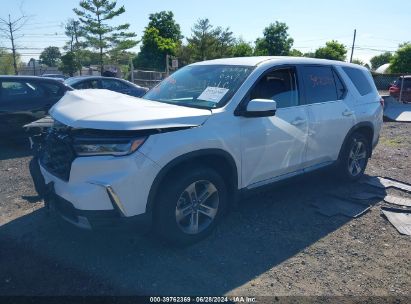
[[93, 15], [166, 25], [6, 62], [162, 37], [332, 50], [154, 50], [295, 53], [401, 61], [379, 60], [242, 48], [207, 42], [69, 64], [276, 41], [50, 56], [309, 55]]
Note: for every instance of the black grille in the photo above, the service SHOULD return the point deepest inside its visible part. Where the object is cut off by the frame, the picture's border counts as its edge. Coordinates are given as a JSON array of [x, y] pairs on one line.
[[57, 154]]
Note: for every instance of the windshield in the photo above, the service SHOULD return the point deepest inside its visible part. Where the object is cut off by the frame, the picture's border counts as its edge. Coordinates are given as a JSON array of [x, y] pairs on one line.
[[203, 86]]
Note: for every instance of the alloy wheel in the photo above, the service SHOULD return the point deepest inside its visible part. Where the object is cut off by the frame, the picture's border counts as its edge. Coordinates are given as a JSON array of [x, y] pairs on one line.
[[357, 158], [197, 207]]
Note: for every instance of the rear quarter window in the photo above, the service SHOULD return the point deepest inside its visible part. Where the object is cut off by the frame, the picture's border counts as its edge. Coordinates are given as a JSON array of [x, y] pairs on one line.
[[359, 79]]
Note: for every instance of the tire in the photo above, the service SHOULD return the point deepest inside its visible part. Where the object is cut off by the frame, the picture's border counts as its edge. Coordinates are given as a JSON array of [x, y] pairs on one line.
[[354, 158], [185, 197]]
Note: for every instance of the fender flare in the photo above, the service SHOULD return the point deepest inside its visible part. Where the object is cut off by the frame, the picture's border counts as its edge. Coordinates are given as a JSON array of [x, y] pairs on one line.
[[185, 158], [353, 129]]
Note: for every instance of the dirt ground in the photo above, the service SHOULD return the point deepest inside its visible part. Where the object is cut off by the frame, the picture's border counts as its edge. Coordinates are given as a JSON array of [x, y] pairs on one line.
[[274, 243]]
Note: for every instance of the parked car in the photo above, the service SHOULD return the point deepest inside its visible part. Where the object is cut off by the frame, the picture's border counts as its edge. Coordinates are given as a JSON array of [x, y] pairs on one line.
[[56, 76], [108, 83], [24, 99], [395, 88], [177, 159]]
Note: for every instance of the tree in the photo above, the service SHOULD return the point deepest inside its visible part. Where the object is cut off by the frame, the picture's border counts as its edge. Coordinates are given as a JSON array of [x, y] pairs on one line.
[[50, 56], [153, 50], [332, 50], [224, 42], [295, 53], [379, 60], [203, 40], [75, 45], [7, 62], [161, 37], [94, 14], [69, 64], [9, 29], [241, 48], [360, 62], [401, 61], [166, 25], [276, 41]]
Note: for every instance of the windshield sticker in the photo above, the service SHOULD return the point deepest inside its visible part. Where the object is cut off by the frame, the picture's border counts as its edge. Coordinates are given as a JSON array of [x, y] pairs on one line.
[[213, 94]]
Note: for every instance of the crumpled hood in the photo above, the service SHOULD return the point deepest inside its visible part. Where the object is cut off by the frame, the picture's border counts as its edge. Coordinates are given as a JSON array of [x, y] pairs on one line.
[[108, 110]]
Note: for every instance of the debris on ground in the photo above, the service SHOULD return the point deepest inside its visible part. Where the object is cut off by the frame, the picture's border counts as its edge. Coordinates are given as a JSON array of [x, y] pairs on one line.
[[384, 183], [399, 218], [331, 206], [396, 111], [401, 201]]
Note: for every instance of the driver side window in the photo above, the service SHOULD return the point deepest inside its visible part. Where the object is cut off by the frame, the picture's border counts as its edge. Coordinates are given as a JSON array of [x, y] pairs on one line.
[[279, 85]]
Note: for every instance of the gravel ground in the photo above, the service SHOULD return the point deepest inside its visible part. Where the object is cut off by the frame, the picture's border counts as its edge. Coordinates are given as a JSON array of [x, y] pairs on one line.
[[273, 243]]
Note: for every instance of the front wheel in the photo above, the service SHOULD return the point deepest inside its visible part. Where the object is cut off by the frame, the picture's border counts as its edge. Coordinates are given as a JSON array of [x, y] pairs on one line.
[[190, 205], [354, 157]]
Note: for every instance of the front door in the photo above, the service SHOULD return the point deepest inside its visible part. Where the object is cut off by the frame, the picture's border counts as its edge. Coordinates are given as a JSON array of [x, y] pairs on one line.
[[274, 146]]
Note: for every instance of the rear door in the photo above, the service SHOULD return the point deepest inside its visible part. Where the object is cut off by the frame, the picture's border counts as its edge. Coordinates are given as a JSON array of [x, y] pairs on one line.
[[329, 112]]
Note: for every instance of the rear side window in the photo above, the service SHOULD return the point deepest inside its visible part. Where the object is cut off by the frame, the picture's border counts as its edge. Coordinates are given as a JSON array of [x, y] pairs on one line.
[[52, 89], [320, 84], [17, 90], [359, 80]]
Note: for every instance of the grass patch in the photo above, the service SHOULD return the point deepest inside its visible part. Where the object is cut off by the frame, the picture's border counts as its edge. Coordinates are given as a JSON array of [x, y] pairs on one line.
[[393, 142]]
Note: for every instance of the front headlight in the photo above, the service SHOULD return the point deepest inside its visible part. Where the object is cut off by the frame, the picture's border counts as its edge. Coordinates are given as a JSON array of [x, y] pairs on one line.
[[107, 146]]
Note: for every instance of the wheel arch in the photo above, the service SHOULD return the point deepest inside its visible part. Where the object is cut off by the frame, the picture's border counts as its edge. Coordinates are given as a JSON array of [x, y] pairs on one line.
[[366, 128], [220, 160]]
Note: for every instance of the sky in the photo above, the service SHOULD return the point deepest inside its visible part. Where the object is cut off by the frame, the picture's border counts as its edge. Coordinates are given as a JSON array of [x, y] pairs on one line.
[[380, 25]]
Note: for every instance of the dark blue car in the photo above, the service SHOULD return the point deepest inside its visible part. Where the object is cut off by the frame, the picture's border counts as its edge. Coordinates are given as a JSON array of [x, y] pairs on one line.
[[108, 83]]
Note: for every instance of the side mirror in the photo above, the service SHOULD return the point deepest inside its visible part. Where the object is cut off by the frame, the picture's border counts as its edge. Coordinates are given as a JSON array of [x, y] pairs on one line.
[[260, 108]]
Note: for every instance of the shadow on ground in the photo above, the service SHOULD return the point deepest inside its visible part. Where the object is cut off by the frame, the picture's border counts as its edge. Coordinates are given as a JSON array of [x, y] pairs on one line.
[[41, 255], [17, 148]]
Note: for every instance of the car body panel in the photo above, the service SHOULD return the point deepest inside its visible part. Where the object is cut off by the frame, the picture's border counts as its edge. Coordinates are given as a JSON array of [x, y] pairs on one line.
[[107, 110], [31, 99], [108, 83]]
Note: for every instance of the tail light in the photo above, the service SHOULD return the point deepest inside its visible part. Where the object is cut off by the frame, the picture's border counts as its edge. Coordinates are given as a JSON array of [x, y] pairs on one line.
[[382, 102]]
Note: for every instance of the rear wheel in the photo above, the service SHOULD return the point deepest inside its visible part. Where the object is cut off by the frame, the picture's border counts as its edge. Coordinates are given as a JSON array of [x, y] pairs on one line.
[[190, 205], [354, 157]]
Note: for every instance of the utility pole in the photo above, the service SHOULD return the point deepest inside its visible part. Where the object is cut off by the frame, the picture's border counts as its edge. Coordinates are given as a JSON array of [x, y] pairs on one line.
[[132, 70], [353, 43], [167, 65]]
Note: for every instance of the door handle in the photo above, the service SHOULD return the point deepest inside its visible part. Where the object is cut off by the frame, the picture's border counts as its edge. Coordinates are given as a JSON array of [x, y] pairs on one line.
[[298, 121], [347, 113]]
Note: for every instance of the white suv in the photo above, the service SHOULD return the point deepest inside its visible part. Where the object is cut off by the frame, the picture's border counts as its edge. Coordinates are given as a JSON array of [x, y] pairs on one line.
[[177, 158]]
